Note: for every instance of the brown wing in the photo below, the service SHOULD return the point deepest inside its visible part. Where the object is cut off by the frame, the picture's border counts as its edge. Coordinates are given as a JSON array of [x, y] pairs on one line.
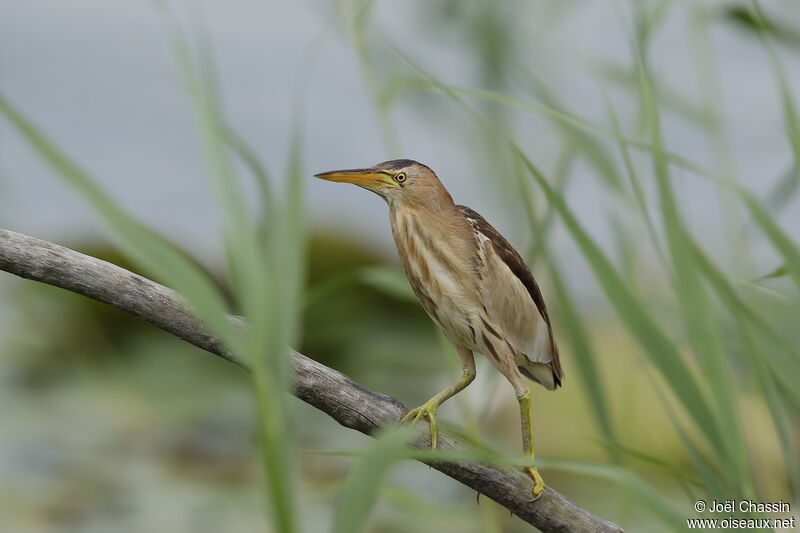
[[515, 263]]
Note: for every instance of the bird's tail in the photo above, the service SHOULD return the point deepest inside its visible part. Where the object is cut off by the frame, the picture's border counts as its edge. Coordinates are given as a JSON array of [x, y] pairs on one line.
[[541, 373]]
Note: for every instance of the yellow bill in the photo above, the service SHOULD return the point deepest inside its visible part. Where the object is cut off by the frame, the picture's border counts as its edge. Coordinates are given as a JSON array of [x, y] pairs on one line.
[[363, 177]]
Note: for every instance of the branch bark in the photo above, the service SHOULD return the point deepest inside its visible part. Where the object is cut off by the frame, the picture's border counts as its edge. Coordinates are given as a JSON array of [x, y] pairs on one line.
[[349, 403]]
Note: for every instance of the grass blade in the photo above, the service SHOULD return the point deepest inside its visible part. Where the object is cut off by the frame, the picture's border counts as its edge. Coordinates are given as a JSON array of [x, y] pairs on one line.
[[147, 249], [362, 487], [699, 318], [266, 271], [775, 234], [564, 117], [585, 356], [658, 347], [652, 498], [792, 121]]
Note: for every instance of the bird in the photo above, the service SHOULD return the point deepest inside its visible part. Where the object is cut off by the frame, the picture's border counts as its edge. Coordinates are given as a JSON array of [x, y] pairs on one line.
[[472, 283]]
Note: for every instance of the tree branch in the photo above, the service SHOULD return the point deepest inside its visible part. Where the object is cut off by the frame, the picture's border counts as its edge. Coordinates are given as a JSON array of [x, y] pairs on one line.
[[344, 400]]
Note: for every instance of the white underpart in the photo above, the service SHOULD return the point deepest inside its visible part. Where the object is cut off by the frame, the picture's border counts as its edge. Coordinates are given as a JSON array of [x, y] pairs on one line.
[[454, 301]]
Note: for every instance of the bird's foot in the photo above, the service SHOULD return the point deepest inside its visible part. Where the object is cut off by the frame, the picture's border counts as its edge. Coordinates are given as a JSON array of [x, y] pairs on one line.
[[427, 411], [538, 483]]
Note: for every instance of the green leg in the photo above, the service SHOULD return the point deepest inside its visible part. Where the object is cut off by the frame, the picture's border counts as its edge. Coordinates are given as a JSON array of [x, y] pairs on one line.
[[526, 414], [428, 409]]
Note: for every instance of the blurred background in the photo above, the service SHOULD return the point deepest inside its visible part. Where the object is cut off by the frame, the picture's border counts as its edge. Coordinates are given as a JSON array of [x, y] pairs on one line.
[[107, 424]]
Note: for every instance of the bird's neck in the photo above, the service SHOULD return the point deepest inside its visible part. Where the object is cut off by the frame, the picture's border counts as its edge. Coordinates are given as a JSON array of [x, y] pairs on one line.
[[434, 215], [418, 227]]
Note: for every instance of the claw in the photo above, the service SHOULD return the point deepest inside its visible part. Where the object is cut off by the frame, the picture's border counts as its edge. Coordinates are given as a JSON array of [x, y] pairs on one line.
[[538, 483], [428, 412]]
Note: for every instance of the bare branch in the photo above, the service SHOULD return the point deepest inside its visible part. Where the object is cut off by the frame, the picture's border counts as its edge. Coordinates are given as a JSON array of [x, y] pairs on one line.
[[347, 402]]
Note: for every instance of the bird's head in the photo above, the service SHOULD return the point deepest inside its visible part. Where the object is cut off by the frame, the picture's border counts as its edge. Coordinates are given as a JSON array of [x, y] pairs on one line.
[[401, 182]]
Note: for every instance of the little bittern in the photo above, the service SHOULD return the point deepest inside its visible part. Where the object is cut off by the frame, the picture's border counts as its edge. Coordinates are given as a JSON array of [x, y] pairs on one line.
[[472, 283]]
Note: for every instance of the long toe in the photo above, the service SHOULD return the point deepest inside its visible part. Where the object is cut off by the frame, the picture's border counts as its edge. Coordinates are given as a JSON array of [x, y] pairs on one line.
[[413, 415], [538, 483], [427, 412], [434, 428]]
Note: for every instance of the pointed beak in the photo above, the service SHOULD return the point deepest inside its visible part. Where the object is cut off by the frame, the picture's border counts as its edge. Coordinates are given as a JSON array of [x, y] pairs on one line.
[[368, 178]]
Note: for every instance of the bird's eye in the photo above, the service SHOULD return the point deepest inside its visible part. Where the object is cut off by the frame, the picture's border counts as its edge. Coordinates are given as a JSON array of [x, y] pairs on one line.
[[400, 177]]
